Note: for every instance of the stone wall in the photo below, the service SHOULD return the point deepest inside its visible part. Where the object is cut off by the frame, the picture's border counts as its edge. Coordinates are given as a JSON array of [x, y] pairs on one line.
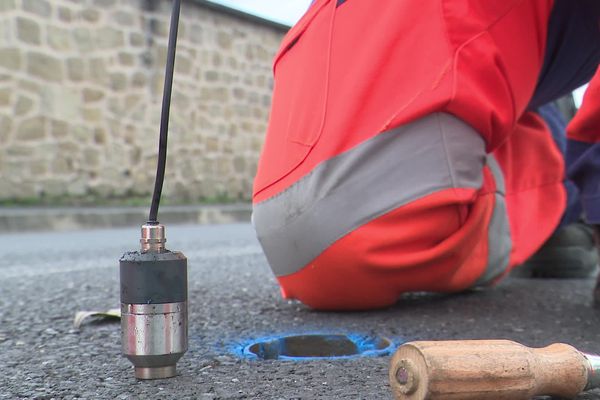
[[81, 88]]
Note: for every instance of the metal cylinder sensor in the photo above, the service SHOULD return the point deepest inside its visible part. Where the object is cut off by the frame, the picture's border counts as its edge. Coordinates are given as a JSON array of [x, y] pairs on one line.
[[154, 318]]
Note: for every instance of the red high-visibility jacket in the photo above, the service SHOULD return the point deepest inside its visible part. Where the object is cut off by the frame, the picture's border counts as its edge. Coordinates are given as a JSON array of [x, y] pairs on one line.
[[345, 75]]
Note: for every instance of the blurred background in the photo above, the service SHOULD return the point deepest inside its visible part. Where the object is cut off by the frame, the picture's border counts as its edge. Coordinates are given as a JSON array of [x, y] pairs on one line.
[[81, 87], [80, 92]]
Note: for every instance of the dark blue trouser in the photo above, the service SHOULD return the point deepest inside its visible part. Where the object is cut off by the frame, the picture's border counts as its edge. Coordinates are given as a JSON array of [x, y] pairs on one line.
[[558, 126]]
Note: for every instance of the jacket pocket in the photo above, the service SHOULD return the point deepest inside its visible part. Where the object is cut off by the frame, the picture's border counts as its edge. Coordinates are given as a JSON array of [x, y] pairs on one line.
[[301, 76]]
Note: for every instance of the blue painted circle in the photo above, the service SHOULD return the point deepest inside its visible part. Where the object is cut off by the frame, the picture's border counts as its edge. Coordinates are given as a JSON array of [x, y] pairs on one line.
[[363, 345]]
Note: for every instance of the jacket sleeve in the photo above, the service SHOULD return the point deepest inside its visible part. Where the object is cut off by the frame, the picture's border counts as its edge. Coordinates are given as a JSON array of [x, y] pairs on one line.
[[583, 150]]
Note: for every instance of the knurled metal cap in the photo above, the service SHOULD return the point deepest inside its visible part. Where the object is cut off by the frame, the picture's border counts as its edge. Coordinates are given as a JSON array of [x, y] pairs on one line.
[[153, 238]]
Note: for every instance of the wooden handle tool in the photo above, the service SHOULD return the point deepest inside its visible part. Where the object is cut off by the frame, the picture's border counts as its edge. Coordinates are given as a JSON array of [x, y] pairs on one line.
[[490, 370]]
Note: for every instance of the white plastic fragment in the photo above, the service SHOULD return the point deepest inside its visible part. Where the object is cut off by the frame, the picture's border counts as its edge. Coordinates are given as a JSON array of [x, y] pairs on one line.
[[81, 316]]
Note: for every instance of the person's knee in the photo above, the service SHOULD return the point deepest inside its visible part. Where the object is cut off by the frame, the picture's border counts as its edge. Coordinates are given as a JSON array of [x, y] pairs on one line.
[[378, 211], [430, 245]]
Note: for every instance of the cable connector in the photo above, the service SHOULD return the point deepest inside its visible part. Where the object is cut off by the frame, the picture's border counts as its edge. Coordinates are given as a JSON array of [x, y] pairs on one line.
[[153, 238]]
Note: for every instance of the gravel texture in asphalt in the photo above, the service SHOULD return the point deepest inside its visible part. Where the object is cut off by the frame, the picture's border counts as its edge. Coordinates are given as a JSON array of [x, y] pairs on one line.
[[46, 277]]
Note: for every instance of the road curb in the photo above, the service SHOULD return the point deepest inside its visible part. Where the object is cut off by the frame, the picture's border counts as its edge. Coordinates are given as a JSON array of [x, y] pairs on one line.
[[26, 219]]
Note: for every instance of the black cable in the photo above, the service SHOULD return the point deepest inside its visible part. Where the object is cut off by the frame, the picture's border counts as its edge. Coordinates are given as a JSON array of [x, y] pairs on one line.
[[164, 118]]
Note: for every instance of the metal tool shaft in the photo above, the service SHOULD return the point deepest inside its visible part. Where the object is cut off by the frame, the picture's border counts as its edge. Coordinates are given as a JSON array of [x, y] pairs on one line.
[[593, 381]]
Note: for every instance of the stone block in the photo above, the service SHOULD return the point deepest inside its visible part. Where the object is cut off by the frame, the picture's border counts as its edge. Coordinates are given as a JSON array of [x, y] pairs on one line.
[[109, 38], [10, 58], [266, 102], [59, 129], [250, 52], [44, 66], [124, 18], [98, 71], [181, 102], [183, 66], [68, 148], [136, 39], [90, 15], [100, 136], [118, 81], [228, 147], [139, 114], [83, 39], [61, 166], [92, 95], [75, 69], [5, 97], [232, 62], [28, 31], [135, 155], [158, 82], [159, 28], [115, 107], [61, 102], [14, 170], [217, 95], [81, 133], [65, 14], [31, 129], [5, 129], [30, 86], [58, 38], [38, 167], [261, 81], [256, 145], [23, 105], [38, 7], [126, 59], [131, 101], [6, 31], [217, 60], [211, 76], [77, 187], [258, 112], [53, 187], [239, 164], [91, 157], [212, 144], [224, 40], [161, 55], [92, 114], [105, 3], [139, 79], [196, 34], [7, 5], [15, 188]]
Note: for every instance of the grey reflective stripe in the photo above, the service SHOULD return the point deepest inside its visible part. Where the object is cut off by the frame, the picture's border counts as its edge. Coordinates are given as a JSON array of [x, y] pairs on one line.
[[499, 239], [497, 173], [381, 174]]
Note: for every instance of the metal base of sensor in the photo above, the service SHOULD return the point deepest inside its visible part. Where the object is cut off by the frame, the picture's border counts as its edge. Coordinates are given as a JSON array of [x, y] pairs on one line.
[[155, 372], [154, 317]]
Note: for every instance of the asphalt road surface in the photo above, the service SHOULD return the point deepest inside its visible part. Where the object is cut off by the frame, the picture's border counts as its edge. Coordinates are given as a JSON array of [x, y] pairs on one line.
[[46, 277]]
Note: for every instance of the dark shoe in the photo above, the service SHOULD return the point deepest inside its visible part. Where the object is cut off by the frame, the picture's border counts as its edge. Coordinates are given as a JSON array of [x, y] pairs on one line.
[[570, 253]]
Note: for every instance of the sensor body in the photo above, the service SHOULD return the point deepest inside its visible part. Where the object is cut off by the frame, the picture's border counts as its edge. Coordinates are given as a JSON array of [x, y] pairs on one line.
[[154, 319]]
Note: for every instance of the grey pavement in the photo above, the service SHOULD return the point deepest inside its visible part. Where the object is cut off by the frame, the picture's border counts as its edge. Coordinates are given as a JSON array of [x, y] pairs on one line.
[[46, 277]]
